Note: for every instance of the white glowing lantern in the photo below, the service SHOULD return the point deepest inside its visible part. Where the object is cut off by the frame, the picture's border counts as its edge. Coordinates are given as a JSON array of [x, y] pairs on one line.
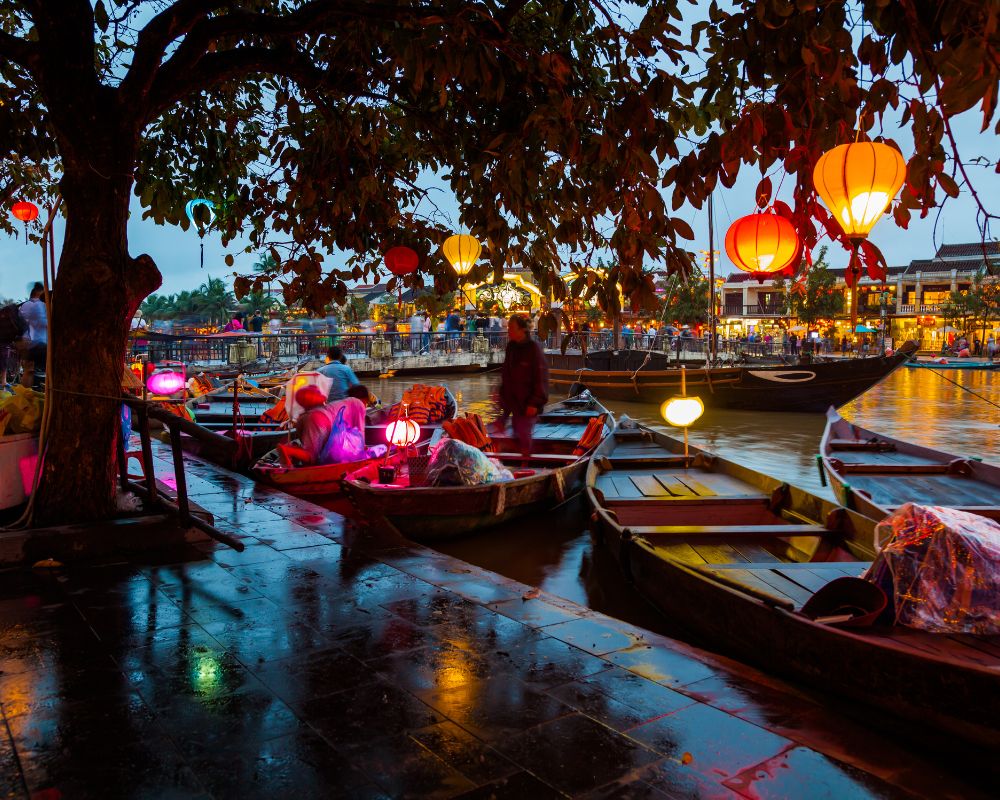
[[682, 411], [402, 432]]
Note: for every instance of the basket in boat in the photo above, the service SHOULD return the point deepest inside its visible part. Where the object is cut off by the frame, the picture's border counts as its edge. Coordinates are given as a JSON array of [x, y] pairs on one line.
[[417, 468]]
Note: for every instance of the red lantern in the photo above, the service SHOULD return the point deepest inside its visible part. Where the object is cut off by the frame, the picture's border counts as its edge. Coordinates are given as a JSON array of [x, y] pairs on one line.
[[401, 260], [762, 244], [26, 212]]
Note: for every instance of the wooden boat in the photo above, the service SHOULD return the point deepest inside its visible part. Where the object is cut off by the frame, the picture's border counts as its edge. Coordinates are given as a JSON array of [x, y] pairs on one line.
[[812, 387], [959, 364], [427, 513], [324, 482], [874, 474], [733, 555]]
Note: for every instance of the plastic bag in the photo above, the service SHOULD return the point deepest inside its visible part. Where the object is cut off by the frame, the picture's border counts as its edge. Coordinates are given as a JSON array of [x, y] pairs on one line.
[[346, 443], [941, 569], [21, 412], [454, 463]]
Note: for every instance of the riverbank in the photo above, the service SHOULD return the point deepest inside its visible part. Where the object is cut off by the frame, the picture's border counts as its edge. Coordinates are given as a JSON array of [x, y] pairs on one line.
[[327, 660]]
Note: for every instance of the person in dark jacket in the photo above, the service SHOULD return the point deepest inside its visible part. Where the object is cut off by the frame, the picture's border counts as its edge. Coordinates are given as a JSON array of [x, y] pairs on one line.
[[524, 382]]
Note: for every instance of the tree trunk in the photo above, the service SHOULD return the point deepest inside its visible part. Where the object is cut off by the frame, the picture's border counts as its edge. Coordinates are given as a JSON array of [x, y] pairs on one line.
[[97, 290]]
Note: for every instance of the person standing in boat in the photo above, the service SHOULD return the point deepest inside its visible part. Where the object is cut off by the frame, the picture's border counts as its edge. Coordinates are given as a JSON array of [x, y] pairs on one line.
[[524, 382]]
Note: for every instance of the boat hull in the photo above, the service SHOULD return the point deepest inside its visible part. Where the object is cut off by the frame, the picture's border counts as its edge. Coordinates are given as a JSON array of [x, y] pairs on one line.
[[427, 514], [812, 387], [670, 551]]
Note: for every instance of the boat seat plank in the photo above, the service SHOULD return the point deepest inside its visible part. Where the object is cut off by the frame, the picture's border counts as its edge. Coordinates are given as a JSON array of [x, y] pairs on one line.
[[716, 552], [895, 469], [730, 530], [649, 486], [697, 487], [673, 486], [756, 551], [667, 501], [606, 486], [941, 646], [860, 457], [716, 482], [658, 459], [751, 580], [988, 644], [950, 490], [681, 552], [799, 595], [806, 578], [876, 445], [626, 489]]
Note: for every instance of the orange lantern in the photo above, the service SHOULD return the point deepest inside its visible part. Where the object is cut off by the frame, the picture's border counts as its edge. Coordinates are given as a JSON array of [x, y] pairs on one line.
[[25, 211], [857, 182], [762, 244]]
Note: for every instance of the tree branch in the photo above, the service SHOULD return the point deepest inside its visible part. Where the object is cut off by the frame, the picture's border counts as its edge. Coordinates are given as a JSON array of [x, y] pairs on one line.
[[154, 39], [18, 51]]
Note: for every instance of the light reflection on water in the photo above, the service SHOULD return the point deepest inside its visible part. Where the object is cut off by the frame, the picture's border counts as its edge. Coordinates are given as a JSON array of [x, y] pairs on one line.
[[554, 551]]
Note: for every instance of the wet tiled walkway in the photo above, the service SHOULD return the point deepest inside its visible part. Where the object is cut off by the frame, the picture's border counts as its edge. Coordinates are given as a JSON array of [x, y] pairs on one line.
[[324, 661]]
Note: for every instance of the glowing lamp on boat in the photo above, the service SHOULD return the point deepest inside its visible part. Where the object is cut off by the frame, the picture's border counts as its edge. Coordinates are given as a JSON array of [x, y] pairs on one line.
[[462, 252], [857, 182], [166, 381], [682, 411], [402, 432]]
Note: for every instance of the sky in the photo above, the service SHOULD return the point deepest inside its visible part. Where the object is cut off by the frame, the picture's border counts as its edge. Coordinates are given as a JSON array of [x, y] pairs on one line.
[[176, 252]]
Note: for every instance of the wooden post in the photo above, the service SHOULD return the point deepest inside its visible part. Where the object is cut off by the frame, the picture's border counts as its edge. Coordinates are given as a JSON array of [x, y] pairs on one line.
[[147, 458], [184, 510], [122, 461]]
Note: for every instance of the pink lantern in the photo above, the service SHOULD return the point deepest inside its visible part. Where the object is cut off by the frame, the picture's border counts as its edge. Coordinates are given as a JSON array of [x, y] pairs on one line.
[[165, 382], [402, 432]]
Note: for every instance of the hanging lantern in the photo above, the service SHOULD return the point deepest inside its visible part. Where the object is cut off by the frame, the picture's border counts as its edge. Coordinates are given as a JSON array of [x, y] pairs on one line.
[[402, 432], [682, 411], [25, 211], [401, 260], [166, 381], [762, 243], [198, 226], [857, 182], [462, 252]]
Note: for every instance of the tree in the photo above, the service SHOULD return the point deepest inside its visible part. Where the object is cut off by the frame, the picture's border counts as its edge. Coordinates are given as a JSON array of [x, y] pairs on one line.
[[815, 296], [310, 123], [687, 300], [975, 308]]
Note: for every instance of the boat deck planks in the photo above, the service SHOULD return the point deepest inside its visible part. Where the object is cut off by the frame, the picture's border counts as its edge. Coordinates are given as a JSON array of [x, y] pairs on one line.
[[952, 490], [898, 459]]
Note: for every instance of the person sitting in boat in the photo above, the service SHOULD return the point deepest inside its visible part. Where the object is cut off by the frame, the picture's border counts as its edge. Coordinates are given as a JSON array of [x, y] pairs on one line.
[[330, 433], [341, 375]]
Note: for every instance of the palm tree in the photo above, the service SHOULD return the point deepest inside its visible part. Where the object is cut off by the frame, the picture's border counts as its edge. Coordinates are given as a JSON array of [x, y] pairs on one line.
[[215, 300]]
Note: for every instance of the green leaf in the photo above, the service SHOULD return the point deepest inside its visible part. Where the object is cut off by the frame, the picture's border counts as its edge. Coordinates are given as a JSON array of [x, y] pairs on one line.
[[101, 16]]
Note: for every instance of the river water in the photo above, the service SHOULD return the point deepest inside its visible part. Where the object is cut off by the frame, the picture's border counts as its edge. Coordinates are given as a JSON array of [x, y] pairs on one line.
[[554, 551]]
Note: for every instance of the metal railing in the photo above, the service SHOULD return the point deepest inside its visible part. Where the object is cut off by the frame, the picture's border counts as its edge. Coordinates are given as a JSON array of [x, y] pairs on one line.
[[289, 348]]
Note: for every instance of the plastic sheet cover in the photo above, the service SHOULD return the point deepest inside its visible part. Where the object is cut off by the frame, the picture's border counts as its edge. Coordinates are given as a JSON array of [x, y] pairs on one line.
[[454, 463], [941, 569]]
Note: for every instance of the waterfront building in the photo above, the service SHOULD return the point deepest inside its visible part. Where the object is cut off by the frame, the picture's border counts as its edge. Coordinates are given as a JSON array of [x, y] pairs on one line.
[[915, 296]]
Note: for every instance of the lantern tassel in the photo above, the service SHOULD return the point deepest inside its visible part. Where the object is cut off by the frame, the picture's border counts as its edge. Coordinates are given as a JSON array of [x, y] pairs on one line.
[[202, 244]]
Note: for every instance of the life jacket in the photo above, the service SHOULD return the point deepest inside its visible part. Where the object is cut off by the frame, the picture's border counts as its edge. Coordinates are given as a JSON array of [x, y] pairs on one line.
[[592, 435], [202, 385], [425, 404], [276, 414], [469, 429]]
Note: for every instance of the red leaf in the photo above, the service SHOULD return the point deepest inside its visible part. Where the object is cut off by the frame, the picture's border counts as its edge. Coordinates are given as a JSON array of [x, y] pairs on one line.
[[782, 209], [763, 193], [682, 229]]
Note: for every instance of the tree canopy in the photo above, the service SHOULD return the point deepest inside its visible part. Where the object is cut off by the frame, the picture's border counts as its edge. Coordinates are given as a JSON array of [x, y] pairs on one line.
[[321, 129], [314, 125]]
